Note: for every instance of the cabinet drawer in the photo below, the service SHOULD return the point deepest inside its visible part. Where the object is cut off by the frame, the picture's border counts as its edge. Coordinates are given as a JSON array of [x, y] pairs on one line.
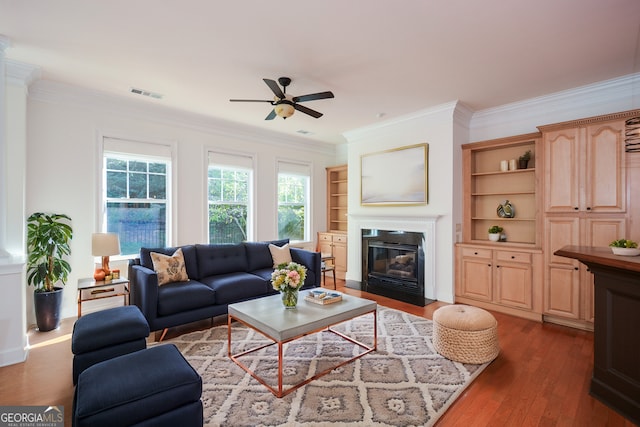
[[103, 292], [476, 252], [340, 238], [513, 256], [324, 237]]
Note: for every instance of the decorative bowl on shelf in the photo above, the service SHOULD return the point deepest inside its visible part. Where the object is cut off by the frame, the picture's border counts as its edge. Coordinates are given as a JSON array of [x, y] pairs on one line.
[[625, 251]]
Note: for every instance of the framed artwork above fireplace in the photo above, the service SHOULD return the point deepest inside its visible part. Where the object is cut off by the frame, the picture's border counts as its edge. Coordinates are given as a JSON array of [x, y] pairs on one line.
[[395, 177]]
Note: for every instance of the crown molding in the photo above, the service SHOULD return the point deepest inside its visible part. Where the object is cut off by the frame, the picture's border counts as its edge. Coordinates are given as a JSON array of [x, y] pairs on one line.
[[355, 134], [79, 97], [619, 94], [19, 73]]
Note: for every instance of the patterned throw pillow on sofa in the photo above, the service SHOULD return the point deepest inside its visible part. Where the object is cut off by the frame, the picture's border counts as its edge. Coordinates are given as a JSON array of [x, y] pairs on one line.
[[169, 268]]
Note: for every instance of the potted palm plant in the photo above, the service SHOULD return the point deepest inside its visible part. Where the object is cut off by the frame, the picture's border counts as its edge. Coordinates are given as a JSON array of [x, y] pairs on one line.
[[48, 243]]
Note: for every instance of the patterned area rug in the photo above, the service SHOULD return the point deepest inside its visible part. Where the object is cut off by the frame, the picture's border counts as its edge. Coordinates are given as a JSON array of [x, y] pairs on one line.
[[404, 383]]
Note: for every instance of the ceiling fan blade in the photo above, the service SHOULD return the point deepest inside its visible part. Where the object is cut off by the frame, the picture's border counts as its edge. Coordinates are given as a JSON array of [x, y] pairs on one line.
[[271, 116], [251, 100], [309, 111], [313, 96], [274, 88]]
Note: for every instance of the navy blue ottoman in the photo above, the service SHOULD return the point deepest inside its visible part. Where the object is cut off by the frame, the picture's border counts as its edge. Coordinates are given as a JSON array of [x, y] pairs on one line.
[[106, 334], [153, 387]]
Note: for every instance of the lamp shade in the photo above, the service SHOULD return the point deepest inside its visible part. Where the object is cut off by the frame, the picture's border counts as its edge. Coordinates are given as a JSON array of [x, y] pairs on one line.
[[105, 244]]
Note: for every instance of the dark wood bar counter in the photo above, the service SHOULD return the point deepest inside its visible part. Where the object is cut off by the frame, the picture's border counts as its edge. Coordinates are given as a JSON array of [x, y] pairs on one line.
[[616, 340]]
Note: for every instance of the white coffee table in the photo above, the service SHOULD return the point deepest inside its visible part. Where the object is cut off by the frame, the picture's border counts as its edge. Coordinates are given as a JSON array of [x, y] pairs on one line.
[[269, 317]]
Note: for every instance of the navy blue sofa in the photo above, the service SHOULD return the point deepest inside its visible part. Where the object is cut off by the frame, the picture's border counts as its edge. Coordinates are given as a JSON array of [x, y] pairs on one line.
[[219, 275]]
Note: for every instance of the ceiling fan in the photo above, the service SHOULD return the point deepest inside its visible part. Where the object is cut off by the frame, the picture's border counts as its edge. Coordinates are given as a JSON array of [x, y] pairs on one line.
[[285, 105]]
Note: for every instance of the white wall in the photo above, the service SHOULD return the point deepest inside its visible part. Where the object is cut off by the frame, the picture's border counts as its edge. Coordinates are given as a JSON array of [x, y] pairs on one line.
[[65, 124]]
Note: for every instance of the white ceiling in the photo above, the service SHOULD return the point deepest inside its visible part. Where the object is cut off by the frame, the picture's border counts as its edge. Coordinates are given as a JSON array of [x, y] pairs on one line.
[[382, 58]]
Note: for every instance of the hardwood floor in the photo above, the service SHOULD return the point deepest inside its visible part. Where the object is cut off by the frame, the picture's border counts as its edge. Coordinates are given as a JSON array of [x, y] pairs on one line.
[[540, 378]]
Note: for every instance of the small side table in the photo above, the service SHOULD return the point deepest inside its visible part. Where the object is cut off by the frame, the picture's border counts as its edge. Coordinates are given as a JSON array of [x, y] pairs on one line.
[[89, 290]]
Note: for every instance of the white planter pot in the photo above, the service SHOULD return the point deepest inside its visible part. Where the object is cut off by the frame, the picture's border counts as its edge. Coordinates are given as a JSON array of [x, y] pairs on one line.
[[494, 237]]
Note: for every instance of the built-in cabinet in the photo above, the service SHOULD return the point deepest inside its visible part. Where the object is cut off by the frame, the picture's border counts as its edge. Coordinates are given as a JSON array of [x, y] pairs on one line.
[[585, 203], [500, 279], [575, 191], [506, 275], [333, 242], [335, 245]]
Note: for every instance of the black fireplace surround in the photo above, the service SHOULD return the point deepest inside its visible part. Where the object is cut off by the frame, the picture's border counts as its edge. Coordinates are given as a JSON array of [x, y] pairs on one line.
[[393, 265]]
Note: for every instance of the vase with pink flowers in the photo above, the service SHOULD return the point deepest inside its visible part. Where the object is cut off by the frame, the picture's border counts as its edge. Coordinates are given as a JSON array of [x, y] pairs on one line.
[[288, 278]]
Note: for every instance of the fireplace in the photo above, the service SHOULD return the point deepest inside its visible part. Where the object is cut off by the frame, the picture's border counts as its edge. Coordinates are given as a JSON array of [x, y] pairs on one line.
[[393, 264]]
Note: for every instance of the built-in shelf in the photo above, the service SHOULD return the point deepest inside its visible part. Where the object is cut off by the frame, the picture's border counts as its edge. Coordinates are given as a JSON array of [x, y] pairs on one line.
[[503, 193], [517, 171], [337, 198], [487, 187]]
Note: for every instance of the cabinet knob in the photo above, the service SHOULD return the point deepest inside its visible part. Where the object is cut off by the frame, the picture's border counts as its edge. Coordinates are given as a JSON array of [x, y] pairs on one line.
[[497, 266], [575, 209], [588, 208], [513, 257], [475, 253], [488, 265], [576, 268]]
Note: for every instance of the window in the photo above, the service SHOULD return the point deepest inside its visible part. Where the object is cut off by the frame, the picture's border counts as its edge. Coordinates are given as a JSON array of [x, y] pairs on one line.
[[229, 196], [293, 201], [136, 195]]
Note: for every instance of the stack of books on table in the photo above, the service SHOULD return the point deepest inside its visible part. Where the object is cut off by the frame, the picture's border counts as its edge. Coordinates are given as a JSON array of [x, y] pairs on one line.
[[322, 297]]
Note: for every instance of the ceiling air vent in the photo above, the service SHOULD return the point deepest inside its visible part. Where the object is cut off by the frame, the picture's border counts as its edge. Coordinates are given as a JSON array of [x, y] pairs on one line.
[[146, 93]]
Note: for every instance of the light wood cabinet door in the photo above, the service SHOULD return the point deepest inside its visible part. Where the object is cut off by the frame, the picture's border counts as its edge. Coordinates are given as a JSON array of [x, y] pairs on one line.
[[562, 171], [584, 169], [562, 293], [325, 244], [340, 253], [562, 278], [605, 180], [513, 279], [477, 278]]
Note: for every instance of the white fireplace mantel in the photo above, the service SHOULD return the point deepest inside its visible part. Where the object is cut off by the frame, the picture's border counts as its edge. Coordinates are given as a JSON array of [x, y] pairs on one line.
[[423, 224]]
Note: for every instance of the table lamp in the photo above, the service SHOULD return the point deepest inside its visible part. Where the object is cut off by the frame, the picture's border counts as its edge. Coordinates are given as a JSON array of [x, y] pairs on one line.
[[104, 245]]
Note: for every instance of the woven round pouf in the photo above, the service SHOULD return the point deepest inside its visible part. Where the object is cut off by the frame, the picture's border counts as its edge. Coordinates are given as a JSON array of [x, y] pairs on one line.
[[465, 334]]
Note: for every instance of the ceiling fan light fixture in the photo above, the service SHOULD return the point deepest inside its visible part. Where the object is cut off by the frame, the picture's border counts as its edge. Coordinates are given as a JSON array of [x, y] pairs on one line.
[[284, 109]]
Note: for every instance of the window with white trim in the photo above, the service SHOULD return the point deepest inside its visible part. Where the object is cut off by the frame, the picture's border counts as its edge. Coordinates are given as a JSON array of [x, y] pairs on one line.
[[137, 193], [293, 201], [230, 195]]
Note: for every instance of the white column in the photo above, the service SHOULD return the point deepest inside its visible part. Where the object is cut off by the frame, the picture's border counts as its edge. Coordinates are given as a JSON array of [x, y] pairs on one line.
[[13, 339], [4, 44]]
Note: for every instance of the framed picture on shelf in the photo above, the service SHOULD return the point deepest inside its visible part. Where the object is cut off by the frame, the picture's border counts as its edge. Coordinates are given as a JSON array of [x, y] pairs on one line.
[[395, 177]]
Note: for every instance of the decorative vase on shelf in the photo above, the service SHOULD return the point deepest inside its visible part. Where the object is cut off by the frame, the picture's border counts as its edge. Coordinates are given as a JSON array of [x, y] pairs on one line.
[[506, 210], [289, 298]]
